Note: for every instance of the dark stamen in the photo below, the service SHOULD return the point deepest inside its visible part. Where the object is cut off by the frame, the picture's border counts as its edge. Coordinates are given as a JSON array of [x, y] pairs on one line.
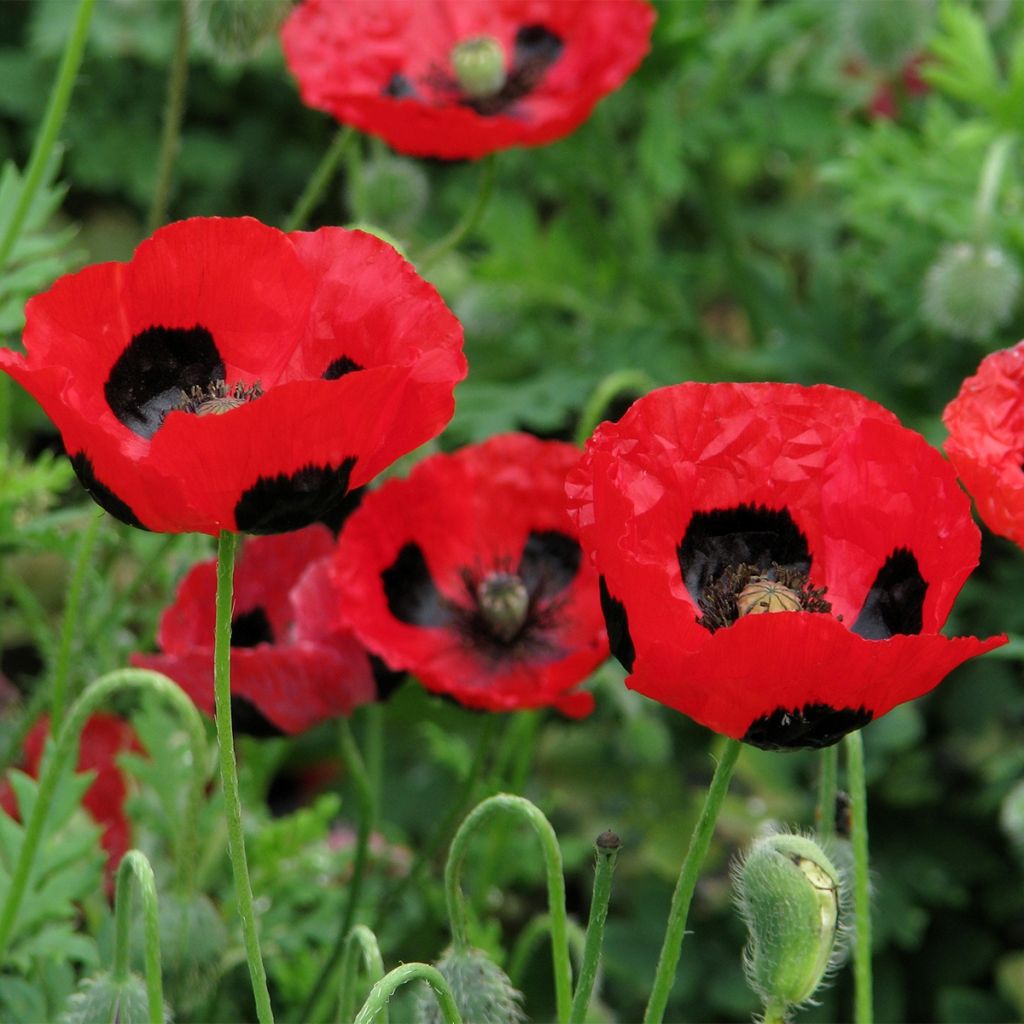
[[735, 592], [217, 397]]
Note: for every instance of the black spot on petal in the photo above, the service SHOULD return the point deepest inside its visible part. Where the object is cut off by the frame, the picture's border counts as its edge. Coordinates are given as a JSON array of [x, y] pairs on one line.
[[813, 726], [895, 601], [388, 679], [101, 494], [150, 375], [290, 501], [550, 562], [399, 87], [617, 624], [339, 367], [248, 720], [536, 48], [251, 628], [334, 518], [745, 535], [410, 591]]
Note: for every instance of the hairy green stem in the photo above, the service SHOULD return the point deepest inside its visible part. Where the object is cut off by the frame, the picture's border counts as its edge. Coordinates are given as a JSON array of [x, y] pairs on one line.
[[669, 959], [174, 113], [863, 1010], [135, 865], [825, 812], [62, 754], [226, 545], [53, 119], [775, 1013], [607, 849], [62, 666], [321, 178], [467, 223], [458, 911], [617, 383], [988, 187], [385, 989], [359, 940]]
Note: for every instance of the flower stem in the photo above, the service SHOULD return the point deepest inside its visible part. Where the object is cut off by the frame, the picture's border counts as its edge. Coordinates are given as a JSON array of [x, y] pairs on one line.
[[174, 113], [83, 559], [135, 865], [825, 812], [988, 187], [863, 1009], [607, 847], [385, 989], [359, 940], [321, 178], [774, 1012], [617, 383], [62, 753], [458, 912], [468, 221], [700, 840], [53, 119], [226, 545]]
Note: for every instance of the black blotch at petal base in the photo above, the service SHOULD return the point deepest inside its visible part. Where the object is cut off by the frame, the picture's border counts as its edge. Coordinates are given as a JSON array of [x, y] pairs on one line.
[[813, 726], [412, 596], [251, 628], [290, 501], [101, 494], [895, 602], [617, 624]]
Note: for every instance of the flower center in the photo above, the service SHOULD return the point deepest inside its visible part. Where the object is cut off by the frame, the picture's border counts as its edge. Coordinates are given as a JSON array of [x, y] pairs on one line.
[[217, 398], [479, 66], [748, 590], [504, 604]]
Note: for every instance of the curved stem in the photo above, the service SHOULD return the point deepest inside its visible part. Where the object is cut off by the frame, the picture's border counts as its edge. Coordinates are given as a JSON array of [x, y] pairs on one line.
[[135, 865], [607, 847], [863, 1010], [53, 119], [614, 384], [62, 754], [174, 112], [321, 178], [67, 631], [458, 912], [532, 935], [467, 223], [385, 989], [825, 812], [988, 186], [699, 842], [226, 545], [359, 940]]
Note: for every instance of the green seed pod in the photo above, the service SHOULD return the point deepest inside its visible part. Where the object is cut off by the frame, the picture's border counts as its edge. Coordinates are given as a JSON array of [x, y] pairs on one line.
[[479, 66], [391, 193], [483, 992], [238, 29], [100, 998], [969, 292], [788, 892], [885, 33]]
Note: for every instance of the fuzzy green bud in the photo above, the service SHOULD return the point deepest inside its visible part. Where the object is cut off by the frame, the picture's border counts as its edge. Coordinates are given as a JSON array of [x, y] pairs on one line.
[[970, 291], [1011, 818], [482, 991], [479, 66], [389, 192], [788, 892], [238, 29], [100, 998], [887, 33]]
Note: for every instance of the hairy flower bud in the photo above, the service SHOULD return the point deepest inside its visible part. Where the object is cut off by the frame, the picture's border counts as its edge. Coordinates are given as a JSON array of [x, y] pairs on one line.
[[390, 193], [970, 291], [481, 989], [788, 892], [102, 998], [887, 34], [238, 29]]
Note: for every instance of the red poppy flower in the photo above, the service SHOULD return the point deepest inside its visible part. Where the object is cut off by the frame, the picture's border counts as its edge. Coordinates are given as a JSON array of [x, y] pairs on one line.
[[707, 504], [452, 79], [103, 738], [986, 440], [290, 669], [468, 574], [322, 358]]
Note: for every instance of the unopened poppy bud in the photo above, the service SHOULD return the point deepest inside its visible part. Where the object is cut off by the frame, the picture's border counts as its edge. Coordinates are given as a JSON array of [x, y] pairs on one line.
[[504, 602], [102, 998], [389, 193], [482, 991], [238, 29], [788, 892], [479, 65], [970, 290], [887, 34]]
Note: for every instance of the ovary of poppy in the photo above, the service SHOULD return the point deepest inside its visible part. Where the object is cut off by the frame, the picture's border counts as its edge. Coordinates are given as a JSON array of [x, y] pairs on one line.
[[233, 377], [388, 67], [469, 575], [702, 492], [986, 440], [289, 670]]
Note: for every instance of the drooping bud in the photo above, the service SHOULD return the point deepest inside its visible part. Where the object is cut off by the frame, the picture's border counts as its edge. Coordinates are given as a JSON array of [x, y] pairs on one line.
[[479, 65], [102, 998], [504, 602], [970, 291], [238, 29], [390, 193], [788, 892], [483, 992]]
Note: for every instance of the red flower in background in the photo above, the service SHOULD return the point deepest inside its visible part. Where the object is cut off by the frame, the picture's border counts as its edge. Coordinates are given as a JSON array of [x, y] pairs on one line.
[[708, 504], [103, 738], [469, 575], [290, 668], [986, 440], [452, 79], [232, 377]]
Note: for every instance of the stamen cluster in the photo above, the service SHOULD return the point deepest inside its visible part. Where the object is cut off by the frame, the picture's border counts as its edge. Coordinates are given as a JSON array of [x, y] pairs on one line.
[[217, 397]]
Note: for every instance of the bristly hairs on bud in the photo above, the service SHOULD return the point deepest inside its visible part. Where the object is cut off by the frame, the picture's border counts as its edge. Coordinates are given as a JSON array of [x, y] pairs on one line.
[[101, 998], [483, 992], [237, 30]]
